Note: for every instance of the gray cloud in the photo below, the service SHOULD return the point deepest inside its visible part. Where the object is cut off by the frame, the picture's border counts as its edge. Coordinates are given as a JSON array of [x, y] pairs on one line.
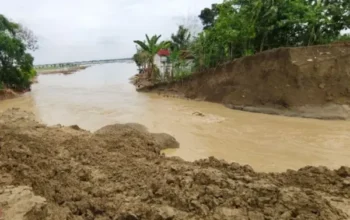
[[97, 29]]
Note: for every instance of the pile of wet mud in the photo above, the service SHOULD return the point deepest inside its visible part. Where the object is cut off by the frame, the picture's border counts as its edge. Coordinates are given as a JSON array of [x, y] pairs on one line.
[[7, 94], [312, 82], [119, 173]]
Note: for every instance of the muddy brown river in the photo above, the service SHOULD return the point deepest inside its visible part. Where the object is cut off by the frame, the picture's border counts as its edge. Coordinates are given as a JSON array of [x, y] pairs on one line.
[[102, 95]]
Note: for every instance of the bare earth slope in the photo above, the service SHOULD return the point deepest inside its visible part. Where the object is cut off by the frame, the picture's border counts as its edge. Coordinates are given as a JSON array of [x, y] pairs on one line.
[[118, 173], [306, 81], [7, 94]]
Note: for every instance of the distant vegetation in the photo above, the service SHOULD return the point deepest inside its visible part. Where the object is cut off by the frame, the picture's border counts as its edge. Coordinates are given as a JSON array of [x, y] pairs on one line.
[[16, 64], [79, 63], [237, 28]]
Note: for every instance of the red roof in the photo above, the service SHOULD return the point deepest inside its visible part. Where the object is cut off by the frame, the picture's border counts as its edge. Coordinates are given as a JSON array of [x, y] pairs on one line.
[[163, 52]]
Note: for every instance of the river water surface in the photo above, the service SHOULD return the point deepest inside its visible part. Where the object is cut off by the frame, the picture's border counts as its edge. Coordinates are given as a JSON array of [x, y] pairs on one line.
[[102, 95]]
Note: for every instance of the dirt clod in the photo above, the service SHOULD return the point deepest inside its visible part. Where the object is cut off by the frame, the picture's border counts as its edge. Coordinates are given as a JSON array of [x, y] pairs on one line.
[[344, 172], [17, 203], [198, 114]]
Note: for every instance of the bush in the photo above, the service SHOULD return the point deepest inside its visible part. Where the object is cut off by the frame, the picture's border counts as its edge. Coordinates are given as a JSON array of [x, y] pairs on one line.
[[182, 72], [344, 37]]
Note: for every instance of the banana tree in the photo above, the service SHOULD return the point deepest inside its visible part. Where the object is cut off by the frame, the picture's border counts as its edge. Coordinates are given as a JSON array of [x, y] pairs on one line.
[[151, 47]]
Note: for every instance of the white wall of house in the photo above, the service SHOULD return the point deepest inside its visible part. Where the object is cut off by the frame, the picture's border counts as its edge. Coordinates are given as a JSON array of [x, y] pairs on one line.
[[164, 67], [159, 61]]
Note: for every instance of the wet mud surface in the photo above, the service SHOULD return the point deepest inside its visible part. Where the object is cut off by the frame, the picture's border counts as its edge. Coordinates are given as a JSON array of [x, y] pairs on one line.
[[119, 173]]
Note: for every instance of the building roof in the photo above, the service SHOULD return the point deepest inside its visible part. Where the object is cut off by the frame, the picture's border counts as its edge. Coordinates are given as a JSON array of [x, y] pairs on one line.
[[163, 52]]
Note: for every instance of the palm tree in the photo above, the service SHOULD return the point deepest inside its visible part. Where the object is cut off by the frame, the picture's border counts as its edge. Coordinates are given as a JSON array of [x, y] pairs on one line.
[[181, 39], [151, 47]]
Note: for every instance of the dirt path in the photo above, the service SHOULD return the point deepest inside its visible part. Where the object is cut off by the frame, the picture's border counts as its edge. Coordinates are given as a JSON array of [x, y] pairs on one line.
[[119, 173]]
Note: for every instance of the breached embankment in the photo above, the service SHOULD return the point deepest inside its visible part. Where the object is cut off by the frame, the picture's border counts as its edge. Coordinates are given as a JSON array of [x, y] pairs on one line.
[[119, 173], [311, 82]]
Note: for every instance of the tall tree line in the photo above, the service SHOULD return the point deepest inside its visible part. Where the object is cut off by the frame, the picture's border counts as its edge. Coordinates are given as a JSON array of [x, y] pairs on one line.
[[237, 28]]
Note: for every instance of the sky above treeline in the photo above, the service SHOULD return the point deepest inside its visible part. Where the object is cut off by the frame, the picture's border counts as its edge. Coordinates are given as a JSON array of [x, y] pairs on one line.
[[77, 30]]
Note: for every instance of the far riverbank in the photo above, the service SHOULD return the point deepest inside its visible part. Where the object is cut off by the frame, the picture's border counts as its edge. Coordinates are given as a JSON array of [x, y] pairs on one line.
[[64, 70], [10, 94]]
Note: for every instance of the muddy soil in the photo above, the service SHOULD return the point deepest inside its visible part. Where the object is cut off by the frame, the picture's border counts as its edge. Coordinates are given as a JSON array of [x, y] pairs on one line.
[[7, 94], [312, 82], [119, 173]]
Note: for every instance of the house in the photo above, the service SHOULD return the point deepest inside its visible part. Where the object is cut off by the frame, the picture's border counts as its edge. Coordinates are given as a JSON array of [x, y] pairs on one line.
[[162, 61]]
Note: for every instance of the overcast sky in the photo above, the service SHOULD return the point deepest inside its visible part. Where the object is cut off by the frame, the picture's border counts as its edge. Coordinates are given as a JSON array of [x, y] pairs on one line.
[[76, 30]]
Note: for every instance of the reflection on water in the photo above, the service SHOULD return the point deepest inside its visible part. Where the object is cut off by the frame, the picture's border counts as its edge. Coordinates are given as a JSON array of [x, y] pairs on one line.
[[102, 95]]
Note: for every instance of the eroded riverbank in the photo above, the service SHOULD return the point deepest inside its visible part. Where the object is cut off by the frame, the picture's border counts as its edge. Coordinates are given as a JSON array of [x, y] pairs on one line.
[[7, 94], [100, 95], [118, 172], [309, 82]]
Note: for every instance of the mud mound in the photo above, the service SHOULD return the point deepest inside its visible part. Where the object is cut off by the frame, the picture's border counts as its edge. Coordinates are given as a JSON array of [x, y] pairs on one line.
[[307, 81], [7, 94], [119, 173]]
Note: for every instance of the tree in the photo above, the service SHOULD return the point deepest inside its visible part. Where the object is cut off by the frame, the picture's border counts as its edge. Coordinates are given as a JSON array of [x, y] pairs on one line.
[[181, 40], [140, 58], [27, 37], [208, 16], [192, 23], [151, 48], [16, 65], [237, 28]]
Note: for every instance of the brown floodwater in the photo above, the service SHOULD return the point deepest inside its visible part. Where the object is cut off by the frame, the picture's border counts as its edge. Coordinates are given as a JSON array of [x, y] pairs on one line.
[[102, 95]]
